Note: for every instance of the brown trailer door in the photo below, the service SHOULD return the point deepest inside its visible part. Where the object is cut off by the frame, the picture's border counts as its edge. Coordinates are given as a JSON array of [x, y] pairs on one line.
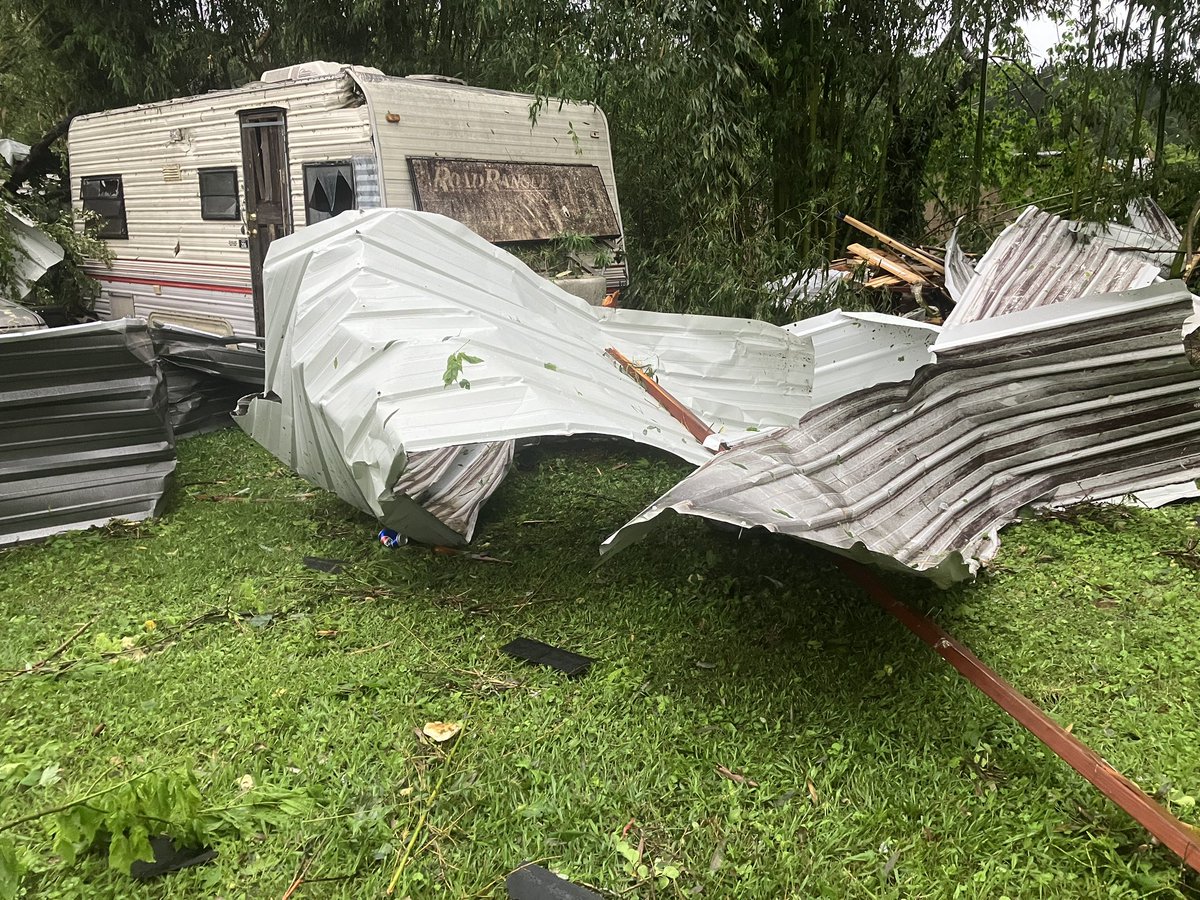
[[268, 198]]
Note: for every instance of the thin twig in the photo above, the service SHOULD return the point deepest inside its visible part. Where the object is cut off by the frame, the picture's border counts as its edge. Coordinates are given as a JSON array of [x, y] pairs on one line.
[[369, 649], [412, 840], [57, 653], [49, 811], [299, 879]]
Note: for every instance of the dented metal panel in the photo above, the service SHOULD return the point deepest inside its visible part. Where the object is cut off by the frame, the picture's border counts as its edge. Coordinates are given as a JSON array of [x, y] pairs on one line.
[[84, 432], [854, 350], [393, 332], [1086, 398]]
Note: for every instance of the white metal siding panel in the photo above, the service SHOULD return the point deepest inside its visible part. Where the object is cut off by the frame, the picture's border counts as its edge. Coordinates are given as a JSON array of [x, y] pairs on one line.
[[449, 120], [173, 256], [135, 143]]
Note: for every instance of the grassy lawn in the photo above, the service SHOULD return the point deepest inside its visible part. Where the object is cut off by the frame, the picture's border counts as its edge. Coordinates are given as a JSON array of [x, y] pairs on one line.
[[214, 654]]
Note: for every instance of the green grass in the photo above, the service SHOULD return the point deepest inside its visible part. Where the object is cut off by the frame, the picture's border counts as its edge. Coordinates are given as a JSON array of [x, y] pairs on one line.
[[753, 654]]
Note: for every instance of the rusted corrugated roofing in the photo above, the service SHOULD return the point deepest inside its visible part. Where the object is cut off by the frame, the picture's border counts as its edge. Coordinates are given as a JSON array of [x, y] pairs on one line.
[[1146, 215], [84, 433], [1042, 259], [1086, 397]]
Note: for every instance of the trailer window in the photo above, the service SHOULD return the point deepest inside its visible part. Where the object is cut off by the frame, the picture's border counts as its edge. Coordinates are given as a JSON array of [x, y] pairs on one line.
[[328, 190], [105, 196], [219, 194]]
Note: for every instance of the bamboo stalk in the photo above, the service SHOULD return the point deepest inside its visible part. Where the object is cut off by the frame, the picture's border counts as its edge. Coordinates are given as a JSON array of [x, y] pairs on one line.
[[890, 266], [887, 240]]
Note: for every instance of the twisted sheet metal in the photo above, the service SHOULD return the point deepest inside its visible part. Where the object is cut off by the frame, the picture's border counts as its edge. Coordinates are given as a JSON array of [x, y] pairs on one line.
[[365, 311], [854, 350], [1042, 259], [84, 432], [1087, 397]]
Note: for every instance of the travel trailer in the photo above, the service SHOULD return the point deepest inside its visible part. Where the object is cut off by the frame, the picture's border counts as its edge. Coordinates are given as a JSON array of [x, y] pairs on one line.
[[192, 191]]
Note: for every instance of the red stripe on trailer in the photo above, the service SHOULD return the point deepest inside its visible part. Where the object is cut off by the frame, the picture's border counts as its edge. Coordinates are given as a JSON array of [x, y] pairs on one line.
[[190, 285]]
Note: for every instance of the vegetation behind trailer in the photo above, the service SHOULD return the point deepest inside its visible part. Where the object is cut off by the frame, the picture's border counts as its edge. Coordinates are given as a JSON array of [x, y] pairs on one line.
[[192, 191]]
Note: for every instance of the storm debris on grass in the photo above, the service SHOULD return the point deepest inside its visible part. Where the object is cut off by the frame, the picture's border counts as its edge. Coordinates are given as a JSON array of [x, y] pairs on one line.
[[534, 882], [536, 653], [828, 696], [1060, 376]]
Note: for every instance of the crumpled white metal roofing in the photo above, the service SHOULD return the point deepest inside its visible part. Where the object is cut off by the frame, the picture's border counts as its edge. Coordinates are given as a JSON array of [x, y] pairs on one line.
[[1086, 398], [854, 350], [36, 253], [366, 310]]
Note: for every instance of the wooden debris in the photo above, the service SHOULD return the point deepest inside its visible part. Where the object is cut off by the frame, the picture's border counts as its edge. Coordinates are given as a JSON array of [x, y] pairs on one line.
[[912, 252], [891, 266]]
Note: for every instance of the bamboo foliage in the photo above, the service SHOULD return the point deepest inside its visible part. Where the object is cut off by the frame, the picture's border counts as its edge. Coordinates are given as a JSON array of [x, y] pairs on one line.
[[741, 128]]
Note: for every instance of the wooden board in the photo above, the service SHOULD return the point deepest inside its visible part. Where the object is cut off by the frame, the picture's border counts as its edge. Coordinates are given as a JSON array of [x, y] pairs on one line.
[[509, 201]]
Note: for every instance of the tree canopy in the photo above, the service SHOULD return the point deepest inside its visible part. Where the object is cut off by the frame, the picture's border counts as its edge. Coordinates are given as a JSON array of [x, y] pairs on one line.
[[740, 128]]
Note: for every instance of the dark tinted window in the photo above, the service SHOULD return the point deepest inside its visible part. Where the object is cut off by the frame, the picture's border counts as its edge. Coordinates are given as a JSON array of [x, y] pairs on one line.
[[328, 190], [105, 196], [219, 194]]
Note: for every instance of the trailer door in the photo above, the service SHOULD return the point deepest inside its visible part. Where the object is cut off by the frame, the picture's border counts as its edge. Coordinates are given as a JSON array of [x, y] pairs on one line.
[[268, 198]]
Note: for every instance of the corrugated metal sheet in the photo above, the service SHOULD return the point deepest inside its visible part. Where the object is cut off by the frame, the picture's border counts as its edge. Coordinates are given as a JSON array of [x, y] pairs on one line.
[[1147, 216], [84, 433], [1041, 259], [35, 252], [364, 311], [1092, 397]]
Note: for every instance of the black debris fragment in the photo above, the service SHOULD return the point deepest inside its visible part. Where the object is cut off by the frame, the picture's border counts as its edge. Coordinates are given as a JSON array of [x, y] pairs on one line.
[[535, 652], [170, 857], [321, 564], [531, 882]]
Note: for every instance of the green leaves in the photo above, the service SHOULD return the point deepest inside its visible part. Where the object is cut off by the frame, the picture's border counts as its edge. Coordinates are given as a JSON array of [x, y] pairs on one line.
[[454, 367]]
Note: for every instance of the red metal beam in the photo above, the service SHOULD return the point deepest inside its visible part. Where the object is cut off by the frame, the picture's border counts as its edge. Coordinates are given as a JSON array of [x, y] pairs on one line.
[[1172, 833], [692, 422]]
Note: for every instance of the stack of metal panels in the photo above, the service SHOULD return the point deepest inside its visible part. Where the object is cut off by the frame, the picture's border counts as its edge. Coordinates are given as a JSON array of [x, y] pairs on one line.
[[84, 431]]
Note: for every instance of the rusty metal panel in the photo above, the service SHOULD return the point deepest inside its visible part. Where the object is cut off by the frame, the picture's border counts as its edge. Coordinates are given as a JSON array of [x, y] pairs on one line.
[[515, 201], [84, 430], [1146, 215], [1041, 259]]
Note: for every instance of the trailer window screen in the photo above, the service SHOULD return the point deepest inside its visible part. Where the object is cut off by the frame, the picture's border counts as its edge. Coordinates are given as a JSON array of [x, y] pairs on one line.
[[219, 194], [104, 195], [328, 190]]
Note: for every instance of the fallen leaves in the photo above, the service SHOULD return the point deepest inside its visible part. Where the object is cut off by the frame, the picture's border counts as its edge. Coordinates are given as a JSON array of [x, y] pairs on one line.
[[440, 732]]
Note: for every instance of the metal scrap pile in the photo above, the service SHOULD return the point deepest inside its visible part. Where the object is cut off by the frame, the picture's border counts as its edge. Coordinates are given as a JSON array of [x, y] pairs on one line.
[[405, 355]]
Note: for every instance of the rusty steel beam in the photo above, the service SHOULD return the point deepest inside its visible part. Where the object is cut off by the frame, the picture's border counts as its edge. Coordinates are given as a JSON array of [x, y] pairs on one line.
[[688, 419], [1178, 836]]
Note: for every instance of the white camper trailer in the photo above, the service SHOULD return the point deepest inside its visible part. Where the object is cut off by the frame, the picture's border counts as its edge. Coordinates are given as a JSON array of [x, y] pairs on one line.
[[192, 191]]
